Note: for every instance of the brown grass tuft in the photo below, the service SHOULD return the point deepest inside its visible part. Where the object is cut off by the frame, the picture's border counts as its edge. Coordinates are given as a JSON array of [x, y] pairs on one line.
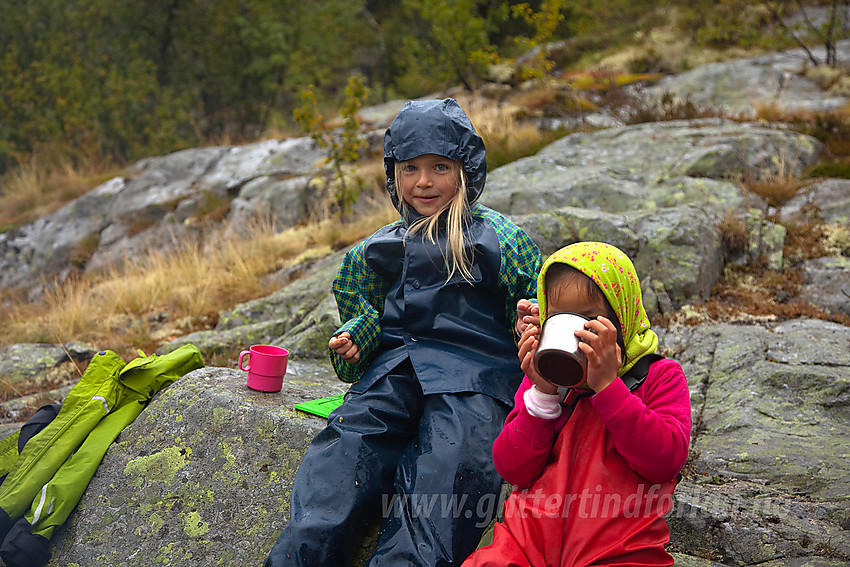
[[777, 181], [733, 231], [635, 110], [745, 295]]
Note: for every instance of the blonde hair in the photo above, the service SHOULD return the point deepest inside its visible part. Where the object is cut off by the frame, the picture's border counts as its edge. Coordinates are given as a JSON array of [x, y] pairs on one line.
[[457, 214]]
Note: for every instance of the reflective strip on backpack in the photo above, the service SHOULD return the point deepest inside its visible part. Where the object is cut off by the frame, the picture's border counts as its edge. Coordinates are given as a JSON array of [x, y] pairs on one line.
[[40, 506]]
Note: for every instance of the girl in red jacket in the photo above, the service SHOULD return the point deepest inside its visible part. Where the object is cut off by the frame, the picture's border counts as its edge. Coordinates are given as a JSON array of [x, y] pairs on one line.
[[593, 474]]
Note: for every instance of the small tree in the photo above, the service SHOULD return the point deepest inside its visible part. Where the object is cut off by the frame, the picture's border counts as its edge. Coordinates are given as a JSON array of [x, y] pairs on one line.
[[544, 22], [449, 42], [344, 144]]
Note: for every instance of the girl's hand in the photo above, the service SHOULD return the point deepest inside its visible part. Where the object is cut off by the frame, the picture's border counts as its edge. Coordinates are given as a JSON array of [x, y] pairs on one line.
[[527, 349], [527, 313], [345, 347], [598, 341]]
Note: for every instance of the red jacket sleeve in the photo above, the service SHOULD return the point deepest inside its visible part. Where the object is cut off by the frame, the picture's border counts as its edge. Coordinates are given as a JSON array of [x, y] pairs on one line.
[[522, 449], [651, 428]]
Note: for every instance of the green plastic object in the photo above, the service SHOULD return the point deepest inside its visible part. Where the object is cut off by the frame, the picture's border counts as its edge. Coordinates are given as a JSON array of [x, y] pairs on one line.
[[321, 407]]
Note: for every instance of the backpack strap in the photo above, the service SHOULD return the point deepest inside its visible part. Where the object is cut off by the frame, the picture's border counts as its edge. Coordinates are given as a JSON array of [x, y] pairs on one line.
[[635, 375]]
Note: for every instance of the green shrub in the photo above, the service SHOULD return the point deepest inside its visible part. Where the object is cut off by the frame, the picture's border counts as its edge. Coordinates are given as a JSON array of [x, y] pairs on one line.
[[838, 168]]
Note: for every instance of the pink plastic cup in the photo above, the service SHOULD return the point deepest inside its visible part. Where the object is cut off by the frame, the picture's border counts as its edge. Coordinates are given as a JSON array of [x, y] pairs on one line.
[[266, 367]]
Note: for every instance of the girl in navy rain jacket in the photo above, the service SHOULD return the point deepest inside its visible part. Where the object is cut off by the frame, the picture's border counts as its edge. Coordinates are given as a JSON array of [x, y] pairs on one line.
[[428, 305]]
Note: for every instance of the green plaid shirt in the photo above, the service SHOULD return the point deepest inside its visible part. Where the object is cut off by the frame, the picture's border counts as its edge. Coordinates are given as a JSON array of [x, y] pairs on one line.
[[360, 292]]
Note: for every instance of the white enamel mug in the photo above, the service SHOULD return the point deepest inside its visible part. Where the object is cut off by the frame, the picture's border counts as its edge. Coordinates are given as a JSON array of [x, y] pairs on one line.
[[559, 359]]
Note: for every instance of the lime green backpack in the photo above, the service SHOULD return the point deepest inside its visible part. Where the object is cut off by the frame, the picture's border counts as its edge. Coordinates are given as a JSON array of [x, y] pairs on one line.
[[45, 480]]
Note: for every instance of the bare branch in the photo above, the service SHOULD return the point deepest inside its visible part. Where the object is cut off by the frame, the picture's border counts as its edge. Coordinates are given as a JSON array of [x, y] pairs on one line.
[[811, 24], [778, 20], [831, 51]]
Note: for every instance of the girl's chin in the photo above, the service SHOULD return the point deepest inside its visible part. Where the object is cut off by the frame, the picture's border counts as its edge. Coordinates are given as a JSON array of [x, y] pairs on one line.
[[426, 208]]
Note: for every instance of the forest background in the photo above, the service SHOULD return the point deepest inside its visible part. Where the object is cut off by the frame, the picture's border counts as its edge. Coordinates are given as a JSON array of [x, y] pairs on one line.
[[91, 86]]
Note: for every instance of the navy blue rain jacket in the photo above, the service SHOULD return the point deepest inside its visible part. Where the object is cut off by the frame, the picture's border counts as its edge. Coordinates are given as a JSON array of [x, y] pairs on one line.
[[392, 292]]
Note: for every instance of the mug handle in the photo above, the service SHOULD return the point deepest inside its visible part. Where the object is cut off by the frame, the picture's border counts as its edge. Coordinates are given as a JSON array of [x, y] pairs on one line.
[[241, 356]]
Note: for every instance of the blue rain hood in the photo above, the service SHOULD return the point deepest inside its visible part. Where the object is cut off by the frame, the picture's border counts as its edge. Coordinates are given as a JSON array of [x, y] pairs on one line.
[[438, 127]]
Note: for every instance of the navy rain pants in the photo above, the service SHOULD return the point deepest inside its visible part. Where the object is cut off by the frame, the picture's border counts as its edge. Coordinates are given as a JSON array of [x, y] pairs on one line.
[[434, 453]]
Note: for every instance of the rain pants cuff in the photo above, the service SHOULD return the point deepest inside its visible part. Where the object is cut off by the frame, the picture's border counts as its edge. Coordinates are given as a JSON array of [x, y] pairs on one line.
[[22, 548]]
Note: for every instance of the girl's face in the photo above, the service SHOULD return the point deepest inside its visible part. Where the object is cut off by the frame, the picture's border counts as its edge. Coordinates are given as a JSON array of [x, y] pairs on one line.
[[428, 182], [572, 298]]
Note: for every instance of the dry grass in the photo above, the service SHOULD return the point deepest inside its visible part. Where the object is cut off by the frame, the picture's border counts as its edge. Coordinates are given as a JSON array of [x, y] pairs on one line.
[[40, 186], [552, 98], [830, 127], [733, 230], [664, 47], [165, 295], [776, 190], [498, 122], [506, 135], [635, 110], [776, 182], [748, 295], [771, 112]]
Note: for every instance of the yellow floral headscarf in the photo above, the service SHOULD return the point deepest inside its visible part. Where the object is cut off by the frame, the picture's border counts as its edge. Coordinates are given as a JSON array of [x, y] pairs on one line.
[[615, 275]]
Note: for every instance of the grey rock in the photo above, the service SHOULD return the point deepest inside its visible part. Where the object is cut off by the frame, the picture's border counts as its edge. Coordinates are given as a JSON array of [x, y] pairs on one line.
[[763, 398], [292, 303], [683, 178], [381, 115], [230, 341], [740, 85], [829, 197], [201, 477], [80, 351], [827, 284], [660, 201], [19, 409], [757, 492], [22, 362], [158, 203], [281, 203], [766, 241]]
